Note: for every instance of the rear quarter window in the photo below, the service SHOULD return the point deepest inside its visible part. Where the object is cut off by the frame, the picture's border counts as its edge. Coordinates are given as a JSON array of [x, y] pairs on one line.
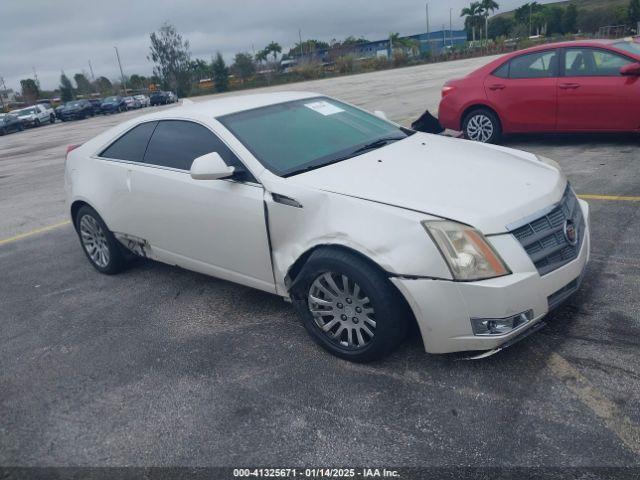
[[132, 145], [502, 71]]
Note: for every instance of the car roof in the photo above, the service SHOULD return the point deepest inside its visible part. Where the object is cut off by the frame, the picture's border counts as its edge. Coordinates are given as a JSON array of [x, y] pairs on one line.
[[232, 104], [489, 67]]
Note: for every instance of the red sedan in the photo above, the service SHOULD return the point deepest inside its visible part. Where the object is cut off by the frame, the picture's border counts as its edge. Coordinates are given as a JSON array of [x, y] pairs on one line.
[[585, 86]]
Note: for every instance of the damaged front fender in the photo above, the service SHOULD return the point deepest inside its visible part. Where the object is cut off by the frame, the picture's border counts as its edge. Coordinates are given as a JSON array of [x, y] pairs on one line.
[[393, 238]]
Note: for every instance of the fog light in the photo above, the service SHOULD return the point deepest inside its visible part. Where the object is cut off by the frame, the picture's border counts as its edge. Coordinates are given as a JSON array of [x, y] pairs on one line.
[[500, 326]]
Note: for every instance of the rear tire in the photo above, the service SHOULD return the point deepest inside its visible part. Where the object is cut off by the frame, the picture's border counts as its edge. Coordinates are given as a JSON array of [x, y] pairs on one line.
[[348, 306], [100, 246], [482, 125]]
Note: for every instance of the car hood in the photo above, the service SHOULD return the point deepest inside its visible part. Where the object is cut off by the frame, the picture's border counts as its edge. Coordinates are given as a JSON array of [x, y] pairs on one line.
[[485, 186]]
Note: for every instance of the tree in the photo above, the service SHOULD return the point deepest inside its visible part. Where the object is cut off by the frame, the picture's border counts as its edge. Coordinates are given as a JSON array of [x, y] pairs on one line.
[[570, 19], [471, 14], [104, 86], [524, 14], [172, 58], [66, 89], [262, 55], [404, 44], [243, 66], [487, 8], [307, 47], [137, 82], [274, 49], [634, 13], [83, 84], [199, 69], [30, 90], [500, 27], [220, 73], [553, 19]]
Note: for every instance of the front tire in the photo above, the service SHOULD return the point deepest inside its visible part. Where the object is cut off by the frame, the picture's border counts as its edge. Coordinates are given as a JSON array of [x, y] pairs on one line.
[[348, 306], [52, 119], [482, 125], [100, 246]]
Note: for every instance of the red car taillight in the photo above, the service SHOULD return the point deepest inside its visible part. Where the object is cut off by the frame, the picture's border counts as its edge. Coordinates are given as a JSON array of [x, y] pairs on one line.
[[447, 89]]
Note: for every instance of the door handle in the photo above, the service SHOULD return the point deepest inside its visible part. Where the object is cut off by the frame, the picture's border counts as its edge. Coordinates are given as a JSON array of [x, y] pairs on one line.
[[569, 86], [497, 86]]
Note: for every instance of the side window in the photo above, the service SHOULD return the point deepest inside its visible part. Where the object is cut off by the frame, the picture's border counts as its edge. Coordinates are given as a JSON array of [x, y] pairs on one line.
[[535, 65], [503, 71], [132, 145], [590, 62], [177, 143]]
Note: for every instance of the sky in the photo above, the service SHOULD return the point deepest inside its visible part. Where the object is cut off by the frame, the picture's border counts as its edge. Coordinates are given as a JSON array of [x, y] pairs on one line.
[[51, 36]]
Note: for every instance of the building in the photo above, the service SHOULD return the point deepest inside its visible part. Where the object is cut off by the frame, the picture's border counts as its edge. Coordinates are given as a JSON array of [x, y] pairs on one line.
[[434, 43]]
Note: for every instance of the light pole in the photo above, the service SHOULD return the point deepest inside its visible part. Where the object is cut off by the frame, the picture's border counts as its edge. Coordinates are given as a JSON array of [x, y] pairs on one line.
[[2, 92], [93, 77], [124, 83], [451, 26], [428, 30], [300, 38]]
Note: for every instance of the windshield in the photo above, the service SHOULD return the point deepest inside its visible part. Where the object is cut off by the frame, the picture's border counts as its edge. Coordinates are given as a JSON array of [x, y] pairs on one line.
[[74, 104], [25, 111], [110, 99], [293, 137], [631, 47]]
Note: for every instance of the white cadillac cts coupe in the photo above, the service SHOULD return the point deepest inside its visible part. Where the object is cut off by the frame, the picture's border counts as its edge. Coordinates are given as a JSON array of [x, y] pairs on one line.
[[364, 225]]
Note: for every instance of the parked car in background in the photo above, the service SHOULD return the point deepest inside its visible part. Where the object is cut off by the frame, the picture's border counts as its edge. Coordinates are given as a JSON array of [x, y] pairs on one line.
[[113, 104], [76, 110], [158, 98], [581, 86], [173, 98], [10, 123], [35, 115], [132, 103], [143, 99], [97, 105], [476, 243]]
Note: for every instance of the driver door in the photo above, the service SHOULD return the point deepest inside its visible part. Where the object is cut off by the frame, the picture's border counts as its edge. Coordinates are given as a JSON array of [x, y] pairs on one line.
[[216, 227]]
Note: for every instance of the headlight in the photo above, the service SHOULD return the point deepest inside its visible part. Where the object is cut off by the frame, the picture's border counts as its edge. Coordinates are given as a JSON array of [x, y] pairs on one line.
[[466, 251]]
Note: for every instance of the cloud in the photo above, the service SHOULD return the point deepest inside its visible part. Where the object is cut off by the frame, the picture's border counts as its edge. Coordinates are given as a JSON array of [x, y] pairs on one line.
[[67, 34]]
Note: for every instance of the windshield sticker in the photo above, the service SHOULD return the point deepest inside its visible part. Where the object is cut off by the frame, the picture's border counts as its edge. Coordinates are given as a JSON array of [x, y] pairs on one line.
[[324, 108]]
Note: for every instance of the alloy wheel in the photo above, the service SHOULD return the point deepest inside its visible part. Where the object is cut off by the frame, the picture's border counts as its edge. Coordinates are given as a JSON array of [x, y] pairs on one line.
[[94, 241], [342, 310], [480, 128]]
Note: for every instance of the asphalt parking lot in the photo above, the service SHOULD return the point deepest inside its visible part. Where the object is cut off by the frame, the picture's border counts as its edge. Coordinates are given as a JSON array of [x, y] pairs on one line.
[[160, 366]]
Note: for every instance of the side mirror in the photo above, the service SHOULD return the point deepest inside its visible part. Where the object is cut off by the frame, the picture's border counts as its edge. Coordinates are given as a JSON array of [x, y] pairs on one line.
[[210, 167], [380, 114], [632, 69]]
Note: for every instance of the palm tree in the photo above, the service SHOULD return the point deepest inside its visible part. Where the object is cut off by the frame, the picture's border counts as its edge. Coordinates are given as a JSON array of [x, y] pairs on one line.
[[395, 41], [488, 7], [472, 12], [273, 48], [262, 55]]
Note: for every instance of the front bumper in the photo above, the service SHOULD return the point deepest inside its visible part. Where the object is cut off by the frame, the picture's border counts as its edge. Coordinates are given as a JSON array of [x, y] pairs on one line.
[[444, 309]]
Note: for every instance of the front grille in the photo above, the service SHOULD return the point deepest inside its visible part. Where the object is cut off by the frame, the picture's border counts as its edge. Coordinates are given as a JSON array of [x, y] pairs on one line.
[[544, 238]]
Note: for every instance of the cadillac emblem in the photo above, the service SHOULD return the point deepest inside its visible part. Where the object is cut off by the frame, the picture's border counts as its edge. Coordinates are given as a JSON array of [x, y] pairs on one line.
[[570, 233]]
